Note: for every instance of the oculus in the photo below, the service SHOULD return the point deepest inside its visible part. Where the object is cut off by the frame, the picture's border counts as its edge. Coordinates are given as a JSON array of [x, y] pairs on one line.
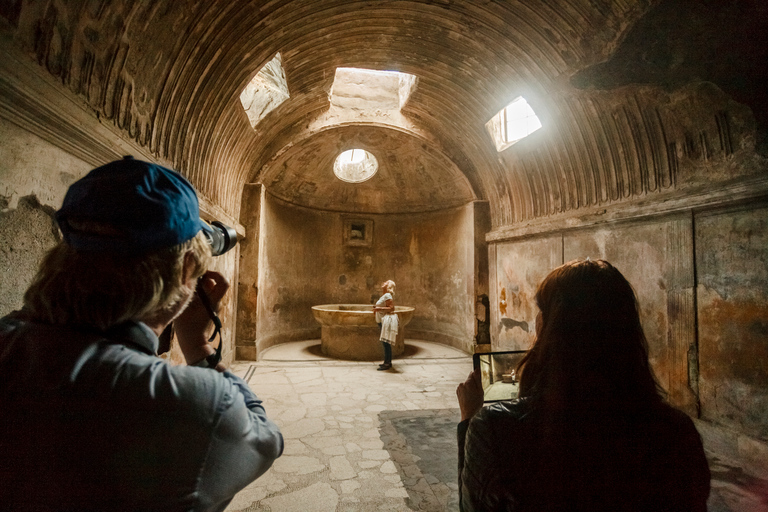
[[355, 166]]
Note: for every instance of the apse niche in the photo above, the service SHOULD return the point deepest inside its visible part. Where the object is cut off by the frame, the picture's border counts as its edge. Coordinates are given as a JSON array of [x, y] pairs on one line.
[[356, 203]]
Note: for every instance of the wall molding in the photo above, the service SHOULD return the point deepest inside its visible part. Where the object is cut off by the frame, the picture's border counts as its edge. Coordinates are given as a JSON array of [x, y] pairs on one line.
[[741, 191]]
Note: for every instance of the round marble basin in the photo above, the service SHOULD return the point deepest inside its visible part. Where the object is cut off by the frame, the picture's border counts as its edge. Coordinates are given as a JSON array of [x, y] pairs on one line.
[[349, 331]]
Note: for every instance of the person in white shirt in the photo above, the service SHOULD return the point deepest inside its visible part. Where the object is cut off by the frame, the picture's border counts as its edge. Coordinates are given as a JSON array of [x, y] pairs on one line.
[[387, 320]]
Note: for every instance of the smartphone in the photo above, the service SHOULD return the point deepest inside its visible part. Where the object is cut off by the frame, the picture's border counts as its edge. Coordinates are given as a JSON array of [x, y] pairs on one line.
[[498, 373]]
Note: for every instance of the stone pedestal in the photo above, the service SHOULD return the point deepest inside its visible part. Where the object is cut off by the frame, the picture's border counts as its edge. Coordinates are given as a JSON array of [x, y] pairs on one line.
[[349, 331]]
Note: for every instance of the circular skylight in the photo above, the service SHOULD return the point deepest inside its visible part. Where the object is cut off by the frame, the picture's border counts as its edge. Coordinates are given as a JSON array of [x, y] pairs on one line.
[[355, 166]]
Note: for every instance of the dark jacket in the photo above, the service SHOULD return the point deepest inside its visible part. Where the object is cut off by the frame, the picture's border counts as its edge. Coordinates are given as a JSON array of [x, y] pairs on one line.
[[511, 460]]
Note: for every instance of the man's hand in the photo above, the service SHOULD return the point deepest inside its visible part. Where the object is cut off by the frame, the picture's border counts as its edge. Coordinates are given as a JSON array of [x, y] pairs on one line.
[[193, 327], [470, 395]]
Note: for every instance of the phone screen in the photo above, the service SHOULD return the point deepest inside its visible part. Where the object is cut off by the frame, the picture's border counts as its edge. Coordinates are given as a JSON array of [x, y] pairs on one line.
[[498, 373]]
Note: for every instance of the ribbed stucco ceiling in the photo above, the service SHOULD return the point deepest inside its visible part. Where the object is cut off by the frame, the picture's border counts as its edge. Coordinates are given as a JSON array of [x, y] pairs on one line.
[[170, 73]]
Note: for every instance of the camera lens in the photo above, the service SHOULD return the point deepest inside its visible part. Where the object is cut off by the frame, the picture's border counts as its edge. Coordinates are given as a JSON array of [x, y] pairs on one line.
[[222, 238]]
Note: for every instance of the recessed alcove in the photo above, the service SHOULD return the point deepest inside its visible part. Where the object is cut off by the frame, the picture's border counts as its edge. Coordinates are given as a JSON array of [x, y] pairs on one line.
[[430, 255]]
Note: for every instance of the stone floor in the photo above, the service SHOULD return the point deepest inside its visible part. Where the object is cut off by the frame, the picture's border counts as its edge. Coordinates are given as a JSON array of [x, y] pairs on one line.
[[362, 440]]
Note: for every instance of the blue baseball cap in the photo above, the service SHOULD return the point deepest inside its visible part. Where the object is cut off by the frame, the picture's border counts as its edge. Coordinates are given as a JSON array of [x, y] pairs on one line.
[[130, 206]]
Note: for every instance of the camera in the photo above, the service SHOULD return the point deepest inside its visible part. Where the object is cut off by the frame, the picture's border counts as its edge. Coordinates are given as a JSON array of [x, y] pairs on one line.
[[222, 238]]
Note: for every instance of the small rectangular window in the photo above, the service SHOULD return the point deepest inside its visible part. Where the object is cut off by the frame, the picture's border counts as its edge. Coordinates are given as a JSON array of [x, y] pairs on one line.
[[358, 232], [513, 123]]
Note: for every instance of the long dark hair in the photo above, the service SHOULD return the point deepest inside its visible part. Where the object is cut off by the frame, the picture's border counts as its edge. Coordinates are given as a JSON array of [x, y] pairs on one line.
[[590, 349]]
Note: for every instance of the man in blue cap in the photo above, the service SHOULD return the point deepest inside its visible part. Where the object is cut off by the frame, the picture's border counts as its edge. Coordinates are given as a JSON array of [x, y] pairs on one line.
[[92, 418]]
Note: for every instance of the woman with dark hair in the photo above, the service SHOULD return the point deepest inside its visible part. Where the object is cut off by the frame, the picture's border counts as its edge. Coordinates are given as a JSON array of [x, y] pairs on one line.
[[590, 430]]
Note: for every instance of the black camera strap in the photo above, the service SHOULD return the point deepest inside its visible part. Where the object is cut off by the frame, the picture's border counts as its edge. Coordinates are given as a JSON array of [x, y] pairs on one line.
[[214, 358]]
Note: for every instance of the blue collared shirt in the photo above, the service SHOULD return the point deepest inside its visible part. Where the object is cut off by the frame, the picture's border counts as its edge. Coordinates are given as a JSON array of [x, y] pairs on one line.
[[99, 422]]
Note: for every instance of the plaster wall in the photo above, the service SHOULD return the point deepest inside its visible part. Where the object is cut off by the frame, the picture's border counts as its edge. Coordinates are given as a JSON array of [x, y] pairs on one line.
[[702, 285], [655, 256], [732, 292], [304, 261], [34, 176], [519, 268], [248, 277]]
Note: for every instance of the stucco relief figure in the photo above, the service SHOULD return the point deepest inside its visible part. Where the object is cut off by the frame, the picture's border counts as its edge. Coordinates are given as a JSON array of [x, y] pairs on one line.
[[93, 419], [503, 301], [509, 323], [590, 430], [387, 320]]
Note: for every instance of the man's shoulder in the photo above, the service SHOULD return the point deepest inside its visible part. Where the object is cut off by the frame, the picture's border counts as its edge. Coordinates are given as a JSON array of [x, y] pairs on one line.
[[20, 324], [109, 370], [31, 350], [138, 374]]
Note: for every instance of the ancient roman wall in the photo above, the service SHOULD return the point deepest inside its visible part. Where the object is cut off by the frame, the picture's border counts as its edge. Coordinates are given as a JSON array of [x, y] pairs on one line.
[[701, 278], [34, 176]]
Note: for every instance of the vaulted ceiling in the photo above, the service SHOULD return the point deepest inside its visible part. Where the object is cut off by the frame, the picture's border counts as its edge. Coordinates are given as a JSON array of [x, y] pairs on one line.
[[631, 99]]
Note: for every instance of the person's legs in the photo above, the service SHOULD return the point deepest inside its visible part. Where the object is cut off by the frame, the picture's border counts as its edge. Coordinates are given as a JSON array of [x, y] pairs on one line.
[[387, 356]]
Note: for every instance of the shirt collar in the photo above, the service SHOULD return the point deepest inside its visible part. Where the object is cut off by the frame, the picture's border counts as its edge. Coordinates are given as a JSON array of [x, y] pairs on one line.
[[136, 334]]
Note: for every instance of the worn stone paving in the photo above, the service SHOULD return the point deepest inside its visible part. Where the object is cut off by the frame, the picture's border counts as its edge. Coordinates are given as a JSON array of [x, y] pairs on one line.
[[362, 440], [358, 439]]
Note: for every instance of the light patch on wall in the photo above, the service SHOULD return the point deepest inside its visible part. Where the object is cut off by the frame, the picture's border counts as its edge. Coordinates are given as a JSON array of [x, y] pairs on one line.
[[355, 166], [371, 90], [265, 92], [512, 124]]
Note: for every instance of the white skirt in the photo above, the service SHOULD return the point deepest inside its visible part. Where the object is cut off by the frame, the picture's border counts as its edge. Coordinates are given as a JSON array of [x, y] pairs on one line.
[[389, 328]]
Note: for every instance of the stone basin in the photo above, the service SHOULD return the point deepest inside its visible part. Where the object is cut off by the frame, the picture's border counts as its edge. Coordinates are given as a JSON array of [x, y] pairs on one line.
[[349, 331]]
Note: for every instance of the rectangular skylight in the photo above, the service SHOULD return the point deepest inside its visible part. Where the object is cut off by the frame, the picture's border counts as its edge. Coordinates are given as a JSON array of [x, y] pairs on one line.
[[265, 92], [369, 90], [513, 123]]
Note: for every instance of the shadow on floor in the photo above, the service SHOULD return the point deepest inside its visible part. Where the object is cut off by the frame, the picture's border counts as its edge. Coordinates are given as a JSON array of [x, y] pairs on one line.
[[410, 351], [314, 350], [423, 443]]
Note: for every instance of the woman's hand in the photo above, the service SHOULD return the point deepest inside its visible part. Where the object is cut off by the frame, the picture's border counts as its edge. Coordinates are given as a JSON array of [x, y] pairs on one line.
[[193, 327], [470, 395]]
